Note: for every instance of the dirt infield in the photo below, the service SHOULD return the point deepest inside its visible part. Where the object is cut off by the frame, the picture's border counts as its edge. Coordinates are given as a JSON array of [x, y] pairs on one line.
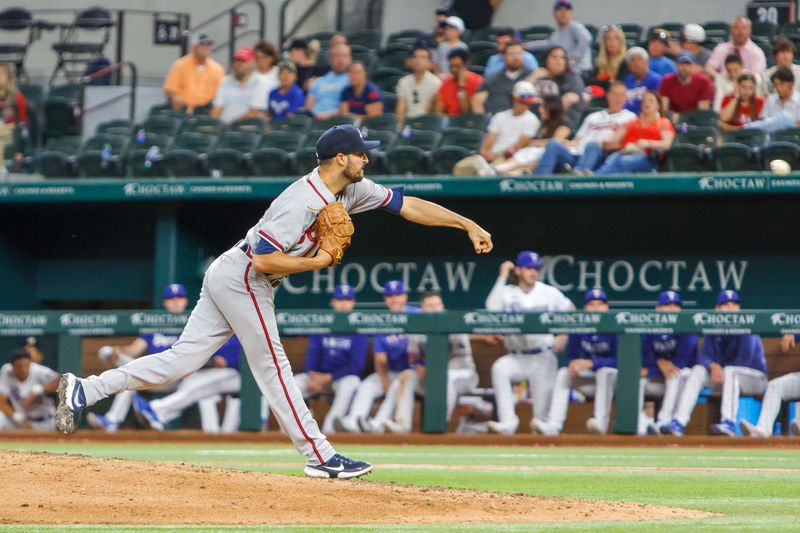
[[42, 488]]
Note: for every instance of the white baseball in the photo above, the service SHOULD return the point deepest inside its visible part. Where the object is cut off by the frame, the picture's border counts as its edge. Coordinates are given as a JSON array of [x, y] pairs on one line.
[[780, 167], [105, 352]]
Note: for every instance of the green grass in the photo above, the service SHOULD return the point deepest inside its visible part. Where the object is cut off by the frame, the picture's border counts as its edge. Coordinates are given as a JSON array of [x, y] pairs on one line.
[[765, 501]]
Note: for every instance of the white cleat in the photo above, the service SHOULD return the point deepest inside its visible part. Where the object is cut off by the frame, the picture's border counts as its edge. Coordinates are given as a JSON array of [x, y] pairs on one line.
[[543, 428], [751, 430], [592, 426], [396, 427], [502, 428]]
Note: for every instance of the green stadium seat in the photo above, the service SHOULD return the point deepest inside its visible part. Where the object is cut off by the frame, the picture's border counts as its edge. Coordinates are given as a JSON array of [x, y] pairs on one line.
[[536, 32], [202, 124], [764, 32], [33, 92], [425, 140], [185, 158], [408, 37], [162, 125], [717, 30], [480, 55], [753, 138], [93, 162], [734, 157], [700, 117], [305, 160], [707, 136], [271, 162], [484, 34], [60, 117], [337, 120], [365, 55], [791, 135], [228, 157], [474, 121], [787, 151], [311, 139], [465, 138], [140, 162], [389, 102], [72, 91], [686, 158], [377, 156], [55, 165], [385, 122], [299, 123], [428, 121], [394, 55], [255, 125], [120, 126], [322, 36], [68, 144], [445, 157], [403, 160], [367, 38], [386, 78], [289, 141], [633, 32]]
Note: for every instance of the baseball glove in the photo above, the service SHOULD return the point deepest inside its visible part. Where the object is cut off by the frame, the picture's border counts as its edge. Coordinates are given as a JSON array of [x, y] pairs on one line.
[[334, 230]]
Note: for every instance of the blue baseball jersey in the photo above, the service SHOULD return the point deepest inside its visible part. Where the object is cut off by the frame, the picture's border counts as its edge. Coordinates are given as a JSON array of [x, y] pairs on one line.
[[230, 352], [337, 355], [601, 349], [158, 342], [396, 349], [680, 350], [733, 350], [637, 88], [282, 105]]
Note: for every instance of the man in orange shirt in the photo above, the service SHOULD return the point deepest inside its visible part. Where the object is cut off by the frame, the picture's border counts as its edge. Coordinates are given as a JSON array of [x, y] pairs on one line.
[[194, 79], [457, 89]]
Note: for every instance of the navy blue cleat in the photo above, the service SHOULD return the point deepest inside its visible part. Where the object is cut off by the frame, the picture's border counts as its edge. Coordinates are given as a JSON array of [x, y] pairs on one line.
[[674, 428], [143, 409], [71, 402], [339, 467]]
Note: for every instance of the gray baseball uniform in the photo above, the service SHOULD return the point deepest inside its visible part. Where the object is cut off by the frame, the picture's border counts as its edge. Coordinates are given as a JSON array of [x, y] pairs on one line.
[[236, 299], [41, 415]]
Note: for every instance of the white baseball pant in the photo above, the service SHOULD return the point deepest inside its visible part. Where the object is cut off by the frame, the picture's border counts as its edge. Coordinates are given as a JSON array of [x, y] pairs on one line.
[[202, 384], [738, 380], [540, 371], [783, 388], [234, 299], [369, 390], [596, 383], [343, 390], [209, 414], [669, 390], [459, 381], [48, 424]]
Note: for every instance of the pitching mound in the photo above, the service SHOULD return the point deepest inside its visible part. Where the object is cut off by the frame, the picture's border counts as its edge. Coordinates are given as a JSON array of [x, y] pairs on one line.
[[43, 488]]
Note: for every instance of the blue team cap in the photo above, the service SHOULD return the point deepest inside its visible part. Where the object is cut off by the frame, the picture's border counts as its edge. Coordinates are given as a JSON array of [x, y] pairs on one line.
[[529, 260], [669, 298], [394, 287], [344, 292], [174, 290], [562, 3], [727, 296], [685, 57], [595, 294], [344, 139]]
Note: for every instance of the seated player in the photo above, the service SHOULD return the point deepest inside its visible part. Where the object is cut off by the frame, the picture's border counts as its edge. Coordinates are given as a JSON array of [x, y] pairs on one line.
[[175, 301], [390, 353], [24, 389], [335, 363], [784, 388], [591, 369], [667, 361], [461, 374], [734, 364]]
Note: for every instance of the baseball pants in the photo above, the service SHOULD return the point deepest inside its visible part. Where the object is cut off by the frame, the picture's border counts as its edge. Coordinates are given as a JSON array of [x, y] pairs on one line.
[[369, 390], [234, 299], [202, 384], [343, 390], [48, 424], [459, 381], [209, 414], [783, 388], [598, 383], [738, 380], [540, 371], [669, 390], [401, 395]]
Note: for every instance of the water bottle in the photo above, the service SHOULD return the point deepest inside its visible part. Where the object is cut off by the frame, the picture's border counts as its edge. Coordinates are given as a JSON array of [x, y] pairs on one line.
[[406, 133], [140, 136], [105, 156], [153, 154]]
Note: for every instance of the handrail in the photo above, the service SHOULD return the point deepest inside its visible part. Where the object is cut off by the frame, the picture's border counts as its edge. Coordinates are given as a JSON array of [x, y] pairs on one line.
[[115, 68], [231, 12], [282, 35]]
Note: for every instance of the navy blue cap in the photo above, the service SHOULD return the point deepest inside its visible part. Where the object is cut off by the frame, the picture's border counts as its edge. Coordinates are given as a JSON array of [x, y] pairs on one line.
[[394, 287], [174, 290], [595, 294], [562, 3], [344, 139], [528, 259], [669, 298], [727, 296], [685, 57], [344, 292]]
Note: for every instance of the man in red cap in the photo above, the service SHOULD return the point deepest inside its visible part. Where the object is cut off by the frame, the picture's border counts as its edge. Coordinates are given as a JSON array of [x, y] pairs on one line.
[[241, 93]]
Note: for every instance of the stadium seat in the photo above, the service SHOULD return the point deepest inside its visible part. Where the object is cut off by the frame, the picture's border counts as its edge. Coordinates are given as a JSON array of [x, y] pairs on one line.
[[474, 121], [787, 151], [386, 78], [55, 164], [255, 125], [484, 34], [311, 139], [228, 156], [202, 124], [162, 125], [734, 157], [60, 117], [336, 120], [365, 55], [707, 136], [115, 127], [298, 123], [700, 117], [323, 37], [753, 138], [408, 37], [289, 141], [367, 38], [790, 28], [402, 160], [764, 32], [186, 156], [425, 140], [385, 122], [377, 156], [101, 156], [594, 31], [389, 102], [428, 121], [141, 162], [481, 51], [465, 138], [686, 158], [633, 32], [717, 30], [477, 69], [394, 55], [305, 160], [271, 162], [791, 135], [536, 32], [445, 157]]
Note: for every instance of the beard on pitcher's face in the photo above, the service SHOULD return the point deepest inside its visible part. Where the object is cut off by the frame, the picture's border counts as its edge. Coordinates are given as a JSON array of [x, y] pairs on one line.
[[354, 168]]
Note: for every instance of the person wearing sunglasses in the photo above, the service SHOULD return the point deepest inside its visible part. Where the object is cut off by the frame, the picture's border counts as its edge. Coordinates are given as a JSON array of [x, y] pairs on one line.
[[416, 92]]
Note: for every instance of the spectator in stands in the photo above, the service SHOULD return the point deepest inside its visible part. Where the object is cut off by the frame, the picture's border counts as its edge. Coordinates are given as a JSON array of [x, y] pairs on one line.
[[337, 39], [598, 127], [692, 38], [25, 387], [726, 83], [494, 94], [496, 63], [782, 109], [784, 50], [325, 94], [514, 128], [639, 142], [730, 364], [307, 69], [683, 92], [641, 79], [13, 115], [557, 70], [742, 106], [753, 58], [416, 92], [477, 14], [458, 88], [431, 40], [267, 59], [657, 46], [288, 98], [194, 79], [453, 29], [241, 92], [610, 64], [554, 126], [571, 36], [361, 98]]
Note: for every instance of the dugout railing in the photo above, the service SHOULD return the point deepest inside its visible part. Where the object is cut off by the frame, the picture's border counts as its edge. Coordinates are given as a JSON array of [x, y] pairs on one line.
[[71, 327]]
